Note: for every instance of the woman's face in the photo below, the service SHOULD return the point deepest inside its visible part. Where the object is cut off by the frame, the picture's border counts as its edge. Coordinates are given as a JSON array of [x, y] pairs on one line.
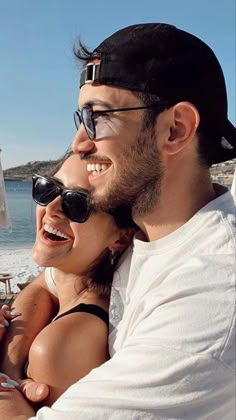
[[75, 245]]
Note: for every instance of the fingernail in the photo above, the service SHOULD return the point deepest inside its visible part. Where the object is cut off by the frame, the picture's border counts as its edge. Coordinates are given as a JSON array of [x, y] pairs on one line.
[[6, 323], [3, 375], [15, 313], [39, 390], [2, 326], [7, 385], [12, 382]]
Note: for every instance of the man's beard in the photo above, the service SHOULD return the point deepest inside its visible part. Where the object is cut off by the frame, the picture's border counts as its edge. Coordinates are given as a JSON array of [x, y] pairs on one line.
[[138, 184]]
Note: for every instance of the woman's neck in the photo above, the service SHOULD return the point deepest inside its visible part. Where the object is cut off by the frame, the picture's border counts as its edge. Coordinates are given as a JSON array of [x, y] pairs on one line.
[[72, 290]]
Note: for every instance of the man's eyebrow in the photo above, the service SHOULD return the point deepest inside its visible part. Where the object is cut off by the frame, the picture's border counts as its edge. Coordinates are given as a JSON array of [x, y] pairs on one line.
[[99, 102]]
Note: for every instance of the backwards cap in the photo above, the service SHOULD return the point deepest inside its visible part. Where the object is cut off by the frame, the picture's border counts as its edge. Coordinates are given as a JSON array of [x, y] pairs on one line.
[[161, 59]]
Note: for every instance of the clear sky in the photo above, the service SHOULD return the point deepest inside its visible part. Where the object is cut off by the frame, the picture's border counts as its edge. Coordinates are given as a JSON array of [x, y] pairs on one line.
[[39, 76]]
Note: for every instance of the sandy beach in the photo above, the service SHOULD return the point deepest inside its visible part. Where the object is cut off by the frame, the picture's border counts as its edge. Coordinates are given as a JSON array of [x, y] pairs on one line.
[[19, 263]]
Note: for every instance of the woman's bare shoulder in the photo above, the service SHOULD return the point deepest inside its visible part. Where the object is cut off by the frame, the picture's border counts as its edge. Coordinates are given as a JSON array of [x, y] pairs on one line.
[[67, 349]]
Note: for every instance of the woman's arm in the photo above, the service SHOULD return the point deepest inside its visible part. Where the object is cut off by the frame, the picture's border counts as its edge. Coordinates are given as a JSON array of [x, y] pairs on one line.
[[66, 350], [36, 305]]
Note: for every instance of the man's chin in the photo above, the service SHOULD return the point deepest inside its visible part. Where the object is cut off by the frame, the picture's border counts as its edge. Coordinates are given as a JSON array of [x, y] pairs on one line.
[[99, 201]]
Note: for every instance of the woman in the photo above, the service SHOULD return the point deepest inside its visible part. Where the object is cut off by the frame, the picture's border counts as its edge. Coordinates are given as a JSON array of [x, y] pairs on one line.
[[83, 253]]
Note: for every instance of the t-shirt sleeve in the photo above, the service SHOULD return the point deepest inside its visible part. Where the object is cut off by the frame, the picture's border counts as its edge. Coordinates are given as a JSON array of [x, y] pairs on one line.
[[49, 279]]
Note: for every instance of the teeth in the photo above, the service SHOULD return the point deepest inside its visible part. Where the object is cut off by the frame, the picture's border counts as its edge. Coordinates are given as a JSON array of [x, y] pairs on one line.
[[49, 229], [95, 168]]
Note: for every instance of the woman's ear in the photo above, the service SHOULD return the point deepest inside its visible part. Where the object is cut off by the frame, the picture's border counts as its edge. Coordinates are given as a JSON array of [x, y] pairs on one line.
[[125, 239], [183, 128]]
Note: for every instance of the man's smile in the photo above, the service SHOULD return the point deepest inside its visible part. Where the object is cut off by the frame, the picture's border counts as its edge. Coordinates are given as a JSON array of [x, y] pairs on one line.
[[97, 168]]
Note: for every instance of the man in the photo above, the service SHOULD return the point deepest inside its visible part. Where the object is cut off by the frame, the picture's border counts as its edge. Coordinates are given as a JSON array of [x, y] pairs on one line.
[[153, 114]]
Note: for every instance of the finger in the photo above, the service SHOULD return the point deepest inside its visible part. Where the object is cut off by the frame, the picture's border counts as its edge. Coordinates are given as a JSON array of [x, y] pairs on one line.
[[6, 382], [33, 391], [2, 319], [3, 375], [9, 313], [2, 323], [5, 308]]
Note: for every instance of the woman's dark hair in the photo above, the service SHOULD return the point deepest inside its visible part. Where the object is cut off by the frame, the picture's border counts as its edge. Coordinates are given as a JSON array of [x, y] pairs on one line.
[[59, 163], [99, 275]]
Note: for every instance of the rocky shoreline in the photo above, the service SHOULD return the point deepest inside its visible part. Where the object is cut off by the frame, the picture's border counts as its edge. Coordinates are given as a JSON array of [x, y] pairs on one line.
[[221, 173], [25, 172]]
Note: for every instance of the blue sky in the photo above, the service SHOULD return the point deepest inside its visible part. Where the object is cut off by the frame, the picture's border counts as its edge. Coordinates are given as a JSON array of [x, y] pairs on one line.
[[39, 76]]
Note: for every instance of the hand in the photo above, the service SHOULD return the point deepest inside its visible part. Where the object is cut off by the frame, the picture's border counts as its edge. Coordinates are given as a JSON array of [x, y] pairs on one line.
[[33, 391], [3, 323], [7, 383], [13, 405], [9, 313], [6, 315]]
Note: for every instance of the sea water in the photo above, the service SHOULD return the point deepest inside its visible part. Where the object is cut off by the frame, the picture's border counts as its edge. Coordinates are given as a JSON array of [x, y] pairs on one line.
[[22, 213]]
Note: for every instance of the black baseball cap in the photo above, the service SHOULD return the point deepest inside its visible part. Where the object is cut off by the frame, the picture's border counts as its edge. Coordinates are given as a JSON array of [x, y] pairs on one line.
[[160, 59]]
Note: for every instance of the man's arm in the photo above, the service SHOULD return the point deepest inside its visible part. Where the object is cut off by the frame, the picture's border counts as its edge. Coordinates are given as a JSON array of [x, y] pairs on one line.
[[36, 304], [173, 355]]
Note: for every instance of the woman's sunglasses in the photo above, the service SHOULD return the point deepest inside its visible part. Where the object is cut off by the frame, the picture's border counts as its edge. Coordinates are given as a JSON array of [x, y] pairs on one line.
[[74, 203]]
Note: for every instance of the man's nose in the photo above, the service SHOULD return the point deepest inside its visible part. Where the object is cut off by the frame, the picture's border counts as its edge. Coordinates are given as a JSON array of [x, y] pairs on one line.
[[81, 143]]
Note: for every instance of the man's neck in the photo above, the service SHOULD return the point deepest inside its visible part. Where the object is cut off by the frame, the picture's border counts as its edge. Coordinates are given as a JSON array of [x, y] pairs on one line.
[[177, 204]]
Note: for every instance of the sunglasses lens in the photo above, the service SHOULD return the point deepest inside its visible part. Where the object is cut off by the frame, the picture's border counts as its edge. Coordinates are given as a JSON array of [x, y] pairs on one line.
[[44, 191], [77, 119], [88, 122], [75, 205]]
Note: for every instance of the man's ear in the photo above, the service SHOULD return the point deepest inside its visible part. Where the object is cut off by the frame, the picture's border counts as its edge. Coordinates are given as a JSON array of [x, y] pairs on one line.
[[185, 121], [125, 239]]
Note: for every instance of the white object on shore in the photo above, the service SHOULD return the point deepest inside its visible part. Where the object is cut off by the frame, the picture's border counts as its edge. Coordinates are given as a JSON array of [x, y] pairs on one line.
[[233, 188], [4, 214], [19, 262]]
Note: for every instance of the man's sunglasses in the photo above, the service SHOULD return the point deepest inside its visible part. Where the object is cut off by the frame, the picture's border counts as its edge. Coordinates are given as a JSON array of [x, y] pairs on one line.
[[86, 116], [74, 203]]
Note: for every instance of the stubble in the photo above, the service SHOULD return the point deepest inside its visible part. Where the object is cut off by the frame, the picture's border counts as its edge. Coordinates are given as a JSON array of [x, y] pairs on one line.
[[137, 185]]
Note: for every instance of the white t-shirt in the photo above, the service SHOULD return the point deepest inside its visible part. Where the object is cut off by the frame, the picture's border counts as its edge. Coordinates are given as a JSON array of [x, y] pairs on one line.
[[172, 340]]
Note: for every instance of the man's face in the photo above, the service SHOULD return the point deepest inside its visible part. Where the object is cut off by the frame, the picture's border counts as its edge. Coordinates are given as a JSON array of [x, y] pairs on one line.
[[123, 162]]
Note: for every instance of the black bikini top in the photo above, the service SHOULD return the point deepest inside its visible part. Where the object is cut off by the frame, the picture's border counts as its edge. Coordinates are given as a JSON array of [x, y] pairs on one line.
[[89, 308]]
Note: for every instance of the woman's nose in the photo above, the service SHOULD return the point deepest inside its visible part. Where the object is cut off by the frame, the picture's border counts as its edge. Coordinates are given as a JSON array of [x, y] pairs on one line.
[[81, 143], [54, 209]]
